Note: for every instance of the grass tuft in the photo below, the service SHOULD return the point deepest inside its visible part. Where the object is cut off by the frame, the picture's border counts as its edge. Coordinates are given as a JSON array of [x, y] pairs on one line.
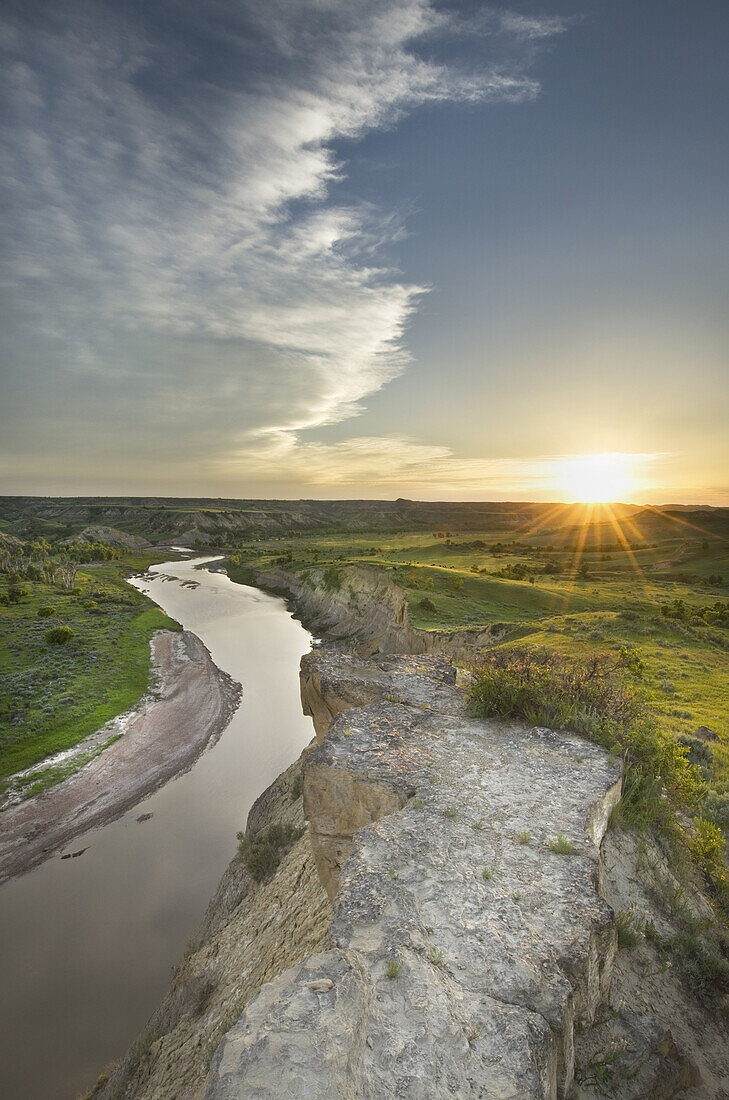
[[561, 845]]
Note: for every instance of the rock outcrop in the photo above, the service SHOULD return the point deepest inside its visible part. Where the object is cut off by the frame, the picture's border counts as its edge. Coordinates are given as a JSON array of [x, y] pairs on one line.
[[249, 934], [370, 613], [635, 1056], [469, 937], [112, 536]]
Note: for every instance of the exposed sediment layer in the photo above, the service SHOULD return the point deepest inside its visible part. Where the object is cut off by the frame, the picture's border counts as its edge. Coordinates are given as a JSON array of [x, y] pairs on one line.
[[491, 974], [250, 933], [465, 947], [370, 613], [188, 706]]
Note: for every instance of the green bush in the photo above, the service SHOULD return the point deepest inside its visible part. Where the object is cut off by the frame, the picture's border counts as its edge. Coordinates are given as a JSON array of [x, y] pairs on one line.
[[598, 698], [16, 592], [426, 605], [332, 578], [716, 808], [549, 690], [519, 571], [46, 612], [263, 852], [699, 753], [707, 847], [59, 635]]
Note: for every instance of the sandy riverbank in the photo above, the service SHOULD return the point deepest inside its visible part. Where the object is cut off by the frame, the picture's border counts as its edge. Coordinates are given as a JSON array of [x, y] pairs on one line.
[[191, 703]]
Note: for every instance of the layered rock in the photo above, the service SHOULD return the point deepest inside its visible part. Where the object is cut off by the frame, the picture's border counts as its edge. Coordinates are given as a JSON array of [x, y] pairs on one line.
[[370, 613], [250, 933], [469, 935]]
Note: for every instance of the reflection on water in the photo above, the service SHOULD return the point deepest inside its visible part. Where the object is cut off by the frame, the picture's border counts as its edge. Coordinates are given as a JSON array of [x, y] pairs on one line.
[[86, 945]]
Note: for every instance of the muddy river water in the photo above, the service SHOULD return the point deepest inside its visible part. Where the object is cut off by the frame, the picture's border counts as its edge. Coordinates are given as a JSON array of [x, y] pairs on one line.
[[87, 944]]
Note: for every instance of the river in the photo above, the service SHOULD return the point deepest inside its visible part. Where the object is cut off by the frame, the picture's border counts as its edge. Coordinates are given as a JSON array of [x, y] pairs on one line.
[[86, 945]]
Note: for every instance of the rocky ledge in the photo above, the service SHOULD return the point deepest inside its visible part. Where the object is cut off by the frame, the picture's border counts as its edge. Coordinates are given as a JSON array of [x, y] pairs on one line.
[[469, 935]]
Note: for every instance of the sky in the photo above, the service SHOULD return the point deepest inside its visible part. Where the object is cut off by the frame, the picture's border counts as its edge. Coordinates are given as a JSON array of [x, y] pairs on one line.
[[365, 248]]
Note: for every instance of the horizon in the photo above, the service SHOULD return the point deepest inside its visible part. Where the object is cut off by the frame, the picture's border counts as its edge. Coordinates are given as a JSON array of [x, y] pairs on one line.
[[590, 506]]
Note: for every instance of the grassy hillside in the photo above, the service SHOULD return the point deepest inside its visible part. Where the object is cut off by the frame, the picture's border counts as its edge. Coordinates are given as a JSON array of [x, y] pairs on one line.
[[54, 694], [667, 601], [220, 522]]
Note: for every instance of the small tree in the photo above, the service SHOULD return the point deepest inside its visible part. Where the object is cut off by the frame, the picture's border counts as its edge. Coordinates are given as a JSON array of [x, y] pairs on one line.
[[67, 574]]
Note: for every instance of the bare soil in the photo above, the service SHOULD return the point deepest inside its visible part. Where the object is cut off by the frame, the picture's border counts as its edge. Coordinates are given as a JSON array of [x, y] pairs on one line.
[[188, 707]]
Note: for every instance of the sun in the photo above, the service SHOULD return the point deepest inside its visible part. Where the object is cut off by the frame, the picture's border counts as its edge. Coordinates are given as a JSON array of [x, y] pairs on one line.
[[597, 479]]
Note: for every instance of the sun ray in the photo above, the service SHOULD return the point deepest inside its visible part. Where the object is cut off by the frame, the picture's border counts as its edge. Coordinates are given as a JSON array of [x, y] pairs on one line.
[[671, 517], [579, 551], [635, 564]]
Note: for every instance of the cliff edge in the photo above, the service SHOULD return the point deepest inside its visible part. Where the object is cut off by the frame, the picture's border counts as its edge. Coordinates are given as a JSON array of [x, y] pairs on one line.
[[439, 929], [469, 936]]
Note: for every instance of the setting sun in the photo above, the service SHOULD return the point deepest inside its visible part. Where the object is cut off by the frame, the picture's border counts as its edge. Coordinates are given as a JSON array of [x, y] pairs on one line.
[[598, 479]]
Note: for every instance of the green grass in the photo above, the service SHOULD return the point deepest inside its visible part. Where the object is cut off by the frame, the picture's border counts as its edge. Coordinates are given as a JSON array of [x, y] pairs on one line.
[[52, 696], [561, 845], [451, 586], [630, 932], [393, 969]]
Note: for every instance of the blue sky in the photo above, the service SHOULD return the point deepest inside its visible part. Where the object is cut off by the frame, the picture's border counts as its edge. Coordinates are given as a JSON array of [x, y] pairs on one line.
[[364, 248]]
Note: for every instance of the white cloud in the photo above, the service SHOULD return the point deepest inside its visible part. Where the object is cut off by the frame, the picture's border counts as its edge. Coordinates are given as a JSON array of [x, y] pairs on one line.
[[169, 176], [396, 465]]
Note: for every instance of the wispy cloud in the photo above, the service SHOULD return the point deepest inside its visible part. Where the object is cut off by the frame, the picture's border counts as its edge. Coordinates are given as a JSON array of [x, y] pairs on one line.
[[389, 466], [167, 179]]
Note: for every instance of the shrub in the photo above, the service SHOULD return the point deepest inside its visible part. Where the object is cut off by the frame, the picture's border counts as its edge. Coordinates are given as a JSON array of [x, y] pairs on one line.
[[628, 928], [46, 612], [548, 690], [393, 970], [707, 848], [426, 605], [561, 845], [519, 571], [59, 635], [332, 578], [716, 808], [598, 698], [16, 592], [699, 754], [703, 961], [263, 853]]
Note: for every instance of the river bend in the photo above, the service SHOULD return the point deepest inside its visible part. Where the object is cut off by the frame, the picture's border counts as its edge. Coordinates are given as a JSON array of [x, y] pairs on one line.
[[86, 945]]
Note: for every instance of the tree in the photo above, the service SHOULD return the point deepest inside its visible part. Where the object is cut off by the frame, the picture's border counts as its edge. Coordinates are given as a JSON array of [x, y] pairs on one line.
[[67, 574]]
